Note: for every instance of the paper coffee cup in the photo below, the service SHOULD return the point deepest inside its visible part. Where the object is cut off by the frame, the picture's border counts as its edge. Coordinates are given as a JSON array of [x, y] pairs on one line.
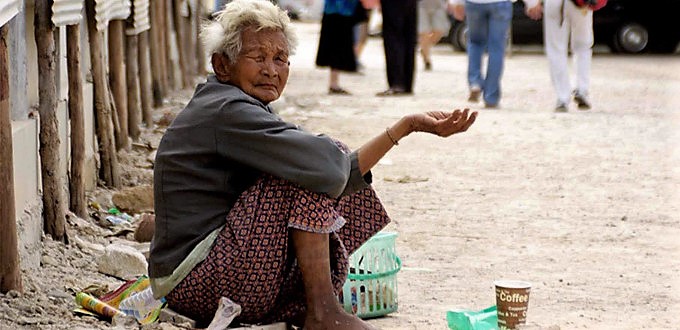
[[512, 302]]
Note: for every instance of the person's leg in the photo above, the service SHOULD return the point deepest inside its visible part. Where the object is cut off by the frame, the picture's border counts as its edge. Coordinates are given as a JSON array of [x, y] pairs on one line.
[[334, 83], [361, 37], [391, 42], [477, 23], [424, 33], [253, 261], [334, 80], [582, 50], [410, 42], [556, 38], [323, 308], [499, 24]]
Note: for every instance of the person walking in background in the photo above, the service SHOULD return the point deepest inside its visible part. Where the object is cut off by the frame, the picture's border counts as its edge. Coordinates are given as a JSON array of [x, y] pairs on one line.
[[488, 23], [399, 41], [433, 23], [336, 43], [562, 20], [361, 28]]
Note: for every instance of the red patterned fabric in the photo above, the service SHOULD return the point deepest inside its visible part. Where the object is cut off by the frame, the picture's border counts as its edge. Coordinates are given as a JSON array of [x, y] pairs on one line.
[[252, 261]]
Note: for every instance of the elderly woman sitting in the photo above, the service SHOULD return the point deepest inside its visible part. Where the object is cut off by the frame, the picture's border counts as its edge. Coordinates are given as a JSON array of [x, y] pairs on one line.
[[256, 209]]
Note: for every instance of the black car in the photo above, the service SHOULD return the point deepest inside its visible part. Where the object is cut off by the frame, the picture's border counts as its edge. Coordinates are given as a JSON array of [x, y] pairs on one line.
[[626, 26]]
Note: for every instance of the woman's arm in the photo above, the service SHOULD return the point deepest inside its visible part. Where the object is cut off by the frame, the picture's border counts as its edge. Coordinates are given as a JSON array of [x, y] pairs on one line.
[[439, 123]]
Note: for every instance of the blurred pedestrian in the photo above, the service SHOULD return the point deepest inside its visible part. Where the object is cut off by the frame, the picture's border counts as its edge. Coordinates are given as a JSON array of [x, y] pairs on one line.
[[361, 28], [433, 24], [336, 43], [399, 40], [488, 23], [566, 24]]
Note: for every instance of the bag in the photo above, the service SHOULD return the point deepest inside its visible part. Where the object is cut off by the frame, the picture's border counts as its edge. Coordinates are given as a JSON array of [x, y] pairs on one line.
[[462, 319], [590, 4]]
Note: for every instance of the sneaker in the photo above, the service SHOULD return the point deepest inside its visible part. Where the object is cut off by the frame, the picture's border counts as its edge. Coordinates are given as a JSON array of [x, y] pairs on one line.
[[581, 101], [561, 107], [475, 93]]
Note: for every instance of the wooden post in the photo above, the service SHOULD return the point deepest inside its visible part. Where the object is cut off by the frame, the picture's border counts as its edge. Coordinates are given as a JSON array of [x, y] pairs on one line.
[[118, 80], [10, 269], [145, 78], [178, 24], [75, 109], [189, 48], [200, 50], [156, 53], [54, 204], [109, 171], [168, 67], [132, 74]]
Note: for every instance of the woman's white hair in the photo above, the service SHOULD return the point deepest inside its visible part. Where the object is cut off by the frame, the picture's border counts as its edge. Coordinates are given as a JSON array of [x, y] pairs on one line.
[[223, 35]]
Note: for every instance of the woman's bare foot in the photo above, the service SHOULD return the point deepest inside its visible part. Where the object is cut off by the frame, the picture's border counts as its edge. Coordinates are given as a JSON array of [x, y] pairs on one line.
[[334, 317]]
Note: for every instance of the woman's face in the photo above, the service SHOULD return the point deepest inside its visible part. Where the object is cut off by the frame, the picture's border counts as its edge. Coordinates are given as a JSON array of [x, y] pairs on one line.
[[261, 69]]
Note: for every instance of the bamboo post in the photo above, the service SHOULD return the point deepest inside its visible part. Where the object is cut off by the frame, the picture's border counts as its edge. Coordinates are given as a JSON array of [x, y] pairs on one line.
[[10, 268], [109, 171], [132, 74], [77, 202], [145, 78], [54, 205], [118, 80], [156, 53]]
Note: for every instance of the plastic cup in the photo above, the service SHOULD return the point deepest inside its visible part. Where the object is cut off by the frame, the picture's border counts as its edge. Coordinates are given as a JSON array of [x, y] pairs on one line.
[[512, 302]]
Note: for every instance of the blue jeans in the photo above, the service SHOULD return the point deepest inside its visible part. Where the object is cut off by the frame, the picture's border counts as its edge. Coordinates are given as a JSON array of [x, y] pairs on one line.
[[488, 25]]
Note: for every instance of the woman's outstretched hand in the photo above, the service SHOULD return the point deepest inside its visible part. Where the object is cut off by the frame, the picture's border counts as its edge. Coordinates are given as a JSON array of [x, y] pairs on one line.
[[442, 123], [439, 123]]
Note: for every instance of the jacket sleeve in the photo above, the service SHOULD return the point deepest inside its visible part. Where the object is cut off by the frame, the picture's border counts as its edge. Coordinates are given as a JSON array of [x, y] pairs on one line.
[[249, 134]]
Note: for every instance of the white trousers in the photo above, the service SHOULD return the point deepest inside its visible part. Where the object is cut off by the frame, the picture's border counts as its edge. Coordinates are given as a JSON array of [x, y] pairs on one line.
[[561, 20]]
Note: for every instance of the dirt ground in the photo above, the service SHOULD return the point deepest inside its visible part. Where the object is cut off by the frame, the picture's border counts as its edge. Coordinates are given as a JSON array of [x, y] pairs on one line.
[[584, 205]]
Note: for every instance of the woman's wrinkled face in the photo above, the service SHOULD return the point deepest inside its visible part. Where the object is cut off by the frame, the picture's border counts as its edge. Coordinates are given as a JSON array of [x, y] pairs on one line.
[[261, 69]]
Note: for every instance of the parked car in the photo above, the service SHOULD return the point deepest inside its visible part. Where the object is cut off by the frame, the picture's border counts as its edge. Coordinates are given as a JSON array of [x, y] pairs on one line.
[[626, 26]]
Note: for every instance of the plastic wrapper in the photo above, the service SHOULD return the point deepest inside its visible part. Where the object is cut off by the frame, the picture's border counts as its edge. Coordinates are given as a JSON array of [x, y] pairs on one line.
[[462, 319], [95, 305]]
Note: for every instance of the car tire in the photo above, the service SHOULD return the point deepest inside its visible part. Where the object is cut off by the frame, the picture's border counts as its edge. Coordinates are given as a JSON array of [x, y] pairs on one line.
[[459, 37], [631, 38]]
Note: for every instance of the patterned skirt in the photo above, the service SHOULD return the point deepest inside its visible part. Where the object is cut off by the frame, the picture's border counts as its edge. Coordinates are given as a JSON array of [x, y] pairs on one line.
[[252, 262]]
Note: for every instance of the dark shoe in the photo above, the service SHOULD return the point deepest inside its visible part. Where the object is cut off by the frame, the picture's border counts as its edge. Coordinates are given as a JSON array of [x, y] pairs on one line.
[[561, 107], [393, 92], [428, 66], [475, 93], [581, 101], [491, 106], [338, 91]]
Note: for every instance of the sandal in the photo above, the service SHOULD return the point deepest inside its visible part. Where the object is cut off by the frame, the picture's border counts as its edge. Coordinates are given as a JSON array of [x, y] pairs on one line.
[[338, 91]]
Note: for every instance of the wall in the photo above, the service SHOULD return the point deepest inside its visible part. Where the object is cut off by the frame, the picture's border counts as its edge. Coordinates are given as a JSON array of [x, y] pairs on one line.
[[25, 128]]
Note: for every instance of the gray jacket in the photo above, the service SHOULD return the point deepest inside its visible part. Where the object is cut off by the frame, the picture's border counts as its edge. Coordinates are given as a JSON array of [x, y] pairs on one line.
[[215, 149]]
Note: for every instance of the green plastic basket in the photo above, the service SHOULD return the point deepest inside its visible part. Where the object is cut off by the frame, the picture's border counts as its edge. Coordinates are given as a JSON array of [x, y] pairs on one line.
[[371, 286]]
